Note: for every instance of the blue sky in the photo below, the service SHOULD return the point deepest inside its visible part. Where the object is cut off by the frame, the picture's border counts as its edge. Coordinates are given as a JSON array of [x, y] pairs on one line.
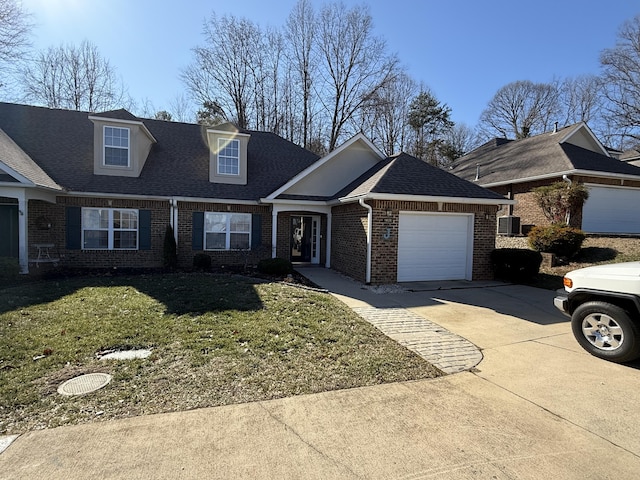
[[464, 50]]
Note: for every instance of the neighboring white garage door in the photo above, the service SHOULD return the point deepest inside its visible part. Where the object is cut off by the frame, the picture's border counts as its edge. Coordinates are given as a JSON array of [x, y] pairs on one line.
[[611, 210], [434, 247]]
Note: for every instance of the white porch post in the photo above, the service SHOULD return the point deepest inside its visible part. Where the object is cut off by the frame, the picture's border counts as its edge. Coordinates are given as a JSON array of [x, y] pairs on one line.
[[23, 247], [327, 262], [274, 231]]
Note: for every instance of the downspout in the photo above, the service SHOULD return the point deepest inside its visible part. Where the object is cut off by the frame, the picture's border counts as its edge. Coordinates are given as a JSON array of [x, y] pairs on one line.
[[369, 237], [173, 218], [568, 180]]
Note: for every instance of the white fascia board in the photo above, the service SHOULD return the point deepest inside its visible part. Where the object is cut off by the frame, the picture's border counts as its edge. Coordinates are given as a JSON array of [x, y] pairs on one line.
[[161, 198], [24, 181], [125, 122], [584, 126], [426, 198], [588, 173], [317, 164], [228, 133], [276, 201]]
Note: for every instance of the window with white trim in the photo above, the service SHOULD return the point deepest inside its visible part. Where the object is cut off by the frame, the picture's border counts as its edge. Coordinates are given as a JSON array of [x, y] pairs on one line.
[[109, 229], [116, 147], [227, 231], [228, 157]]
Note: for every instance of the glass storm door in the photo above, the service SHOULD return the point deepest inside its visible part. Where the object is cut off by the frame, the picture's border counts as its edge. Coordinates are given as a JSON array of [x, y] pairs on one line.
[[305, 239]]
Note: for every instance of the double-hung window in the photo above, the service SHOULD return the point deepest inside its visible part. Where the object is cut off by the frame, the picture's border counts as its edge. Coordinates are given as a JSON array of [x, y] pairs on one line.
[[116, 147], [109, 229], [228, 157], [227, 231]]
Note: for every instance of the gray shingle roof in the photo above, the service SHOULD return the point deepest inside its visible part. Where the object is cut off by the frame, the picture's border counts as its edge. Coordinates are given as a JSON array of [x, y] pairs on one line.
[[404, 174], [542, 155], [61, 143], [16, 159]]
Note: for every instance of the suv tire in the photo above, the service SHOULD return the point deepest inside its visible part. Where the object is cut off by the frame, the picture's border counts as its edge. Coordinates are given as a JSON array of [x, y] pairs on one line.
[[606, 331]]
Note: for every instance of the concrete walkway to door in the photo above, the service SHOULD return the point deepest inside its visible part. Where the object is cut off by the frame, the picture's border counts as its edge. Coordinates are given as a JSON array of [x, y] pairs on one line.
[[449, 352]]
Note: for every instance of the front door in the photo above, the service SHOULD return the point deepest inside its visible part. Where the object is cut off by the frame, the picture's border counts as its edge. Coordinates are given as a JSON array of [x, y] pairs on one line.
[[305, 239], [9, 231]]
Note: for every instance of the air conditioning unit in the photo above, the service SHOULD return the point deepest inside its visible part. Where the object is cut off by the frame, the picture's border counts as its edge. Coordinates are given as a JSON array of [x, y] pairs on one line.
[[509, 225]]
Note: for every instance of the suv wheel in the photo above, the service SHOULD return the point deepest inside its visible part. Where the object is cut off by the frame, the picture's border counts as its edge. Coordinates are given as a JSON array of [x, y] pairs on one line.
[[606, 331]]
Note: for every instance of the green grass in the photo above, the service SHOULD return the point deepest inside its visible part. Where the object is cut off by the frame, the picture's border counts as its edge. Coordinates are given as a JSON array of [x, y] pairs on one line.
[[216, 340]]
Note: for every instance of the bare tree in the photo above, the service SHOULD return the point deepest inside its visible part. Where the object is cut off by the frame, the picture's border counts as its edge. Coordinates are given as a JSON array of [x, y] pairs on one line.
[[458, 141], [224, 68], [621, 74], [301, 34], [520, 109], [15, 30], [355, 63], [77, 78], [384, 118], [581, 99], [181, 108]]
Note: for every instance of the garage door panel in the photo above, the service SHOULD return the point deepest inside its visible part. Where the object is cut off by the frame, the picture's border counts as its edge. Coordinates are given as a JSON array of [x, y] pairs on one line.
[[433, 247], [611, 210]]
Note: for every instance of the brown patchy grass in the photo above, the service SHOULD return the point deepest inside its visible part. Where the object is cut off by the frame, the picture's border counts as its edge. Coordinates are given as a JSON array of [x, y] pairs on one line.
[[216, 340]]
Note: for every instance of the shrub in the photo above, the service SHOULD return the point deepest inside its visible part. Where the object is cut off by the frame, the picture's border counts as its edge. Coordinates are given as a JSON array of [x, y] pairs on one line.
[[202, 261], [169, 252], [9, 268], [562, 240], [515, 264], [275, 266], [560, 201]]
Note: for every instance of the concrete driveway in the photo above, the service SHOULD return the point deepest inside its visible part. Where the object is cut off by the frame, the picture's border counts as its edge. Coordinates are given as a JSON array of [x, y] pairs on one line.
[[537, 406]]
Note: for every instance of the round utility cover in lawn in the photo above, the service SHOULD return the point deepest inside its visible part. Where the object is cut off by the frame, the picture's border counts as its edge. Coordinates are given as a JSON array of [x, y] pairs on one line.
[[84, 384]]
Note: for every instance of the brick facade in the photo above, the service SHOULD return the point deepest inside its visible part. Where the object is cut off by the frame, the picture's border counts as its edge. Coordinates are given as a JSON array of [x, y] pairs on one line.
[[349, 242], [186, 252], [348, 236], [42, 214]]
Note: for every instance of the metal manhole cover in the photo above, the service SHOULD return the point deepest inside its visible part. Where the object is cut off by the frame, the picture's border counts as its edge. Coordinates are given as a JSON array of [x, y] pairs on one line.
[[84, 384]]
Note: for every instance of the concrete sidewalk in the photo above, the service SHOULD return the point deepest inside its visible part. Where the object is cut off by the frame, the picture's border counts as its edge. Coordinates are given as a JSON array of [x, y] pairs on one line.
[[537, 406]]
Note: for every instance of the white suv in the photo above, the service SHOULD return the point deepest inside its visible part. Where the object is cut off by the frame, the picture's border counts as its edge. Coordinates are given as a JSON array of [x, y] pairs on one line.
[[604, 305]]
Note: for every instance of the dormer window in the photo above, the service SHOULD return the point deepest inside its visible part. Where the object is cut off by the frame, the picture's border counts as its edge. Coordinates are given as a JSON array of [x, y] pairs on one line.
[[228, 157], [227, 154], [116, 147]]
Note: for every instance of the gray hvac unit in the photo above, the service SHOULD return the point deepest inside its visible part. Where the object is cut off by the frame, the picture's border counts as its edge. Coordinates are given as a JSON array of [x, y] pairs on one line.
[[509, 225]]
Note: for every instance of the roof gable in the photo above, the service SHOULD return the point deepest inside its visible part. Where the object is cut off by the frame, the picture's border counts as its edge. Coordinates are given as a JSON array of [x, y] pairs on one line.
[[330, 173], [17, 165]]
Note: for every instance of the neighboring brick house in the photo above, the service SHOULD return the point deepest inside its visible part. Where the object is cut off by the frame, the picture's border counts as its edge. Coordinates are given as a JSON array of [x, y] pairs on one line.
[[87, 190], [513, 168]]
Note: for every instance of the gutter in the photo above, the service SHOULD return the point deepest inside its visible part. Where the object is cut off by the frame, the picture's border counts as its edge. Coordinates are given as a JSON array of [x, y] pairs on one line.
[[586, 173], [369, 237]]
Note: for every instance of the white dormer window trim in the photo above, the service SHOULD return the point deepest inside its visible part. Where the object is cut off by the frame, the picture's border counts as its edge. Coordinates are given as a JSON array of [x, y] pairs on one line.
[[228, 157], [116, 140]]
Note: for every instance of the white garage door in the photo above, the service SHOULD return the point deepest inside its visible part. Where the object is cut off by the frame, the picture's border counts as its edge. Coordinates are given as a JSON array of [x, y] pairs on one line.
[[434, 247], [611, 210]]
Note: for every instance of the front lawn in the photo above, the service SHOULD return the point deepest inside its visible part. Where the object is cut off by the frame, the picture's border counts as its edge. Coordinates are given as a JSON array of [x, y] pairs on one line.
[[215, 340]]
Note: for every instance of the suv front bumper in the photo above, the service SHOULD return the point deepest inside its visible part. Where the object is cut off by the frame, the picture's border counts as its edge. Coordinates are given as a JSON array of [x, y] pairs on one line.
[[561, 301]]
